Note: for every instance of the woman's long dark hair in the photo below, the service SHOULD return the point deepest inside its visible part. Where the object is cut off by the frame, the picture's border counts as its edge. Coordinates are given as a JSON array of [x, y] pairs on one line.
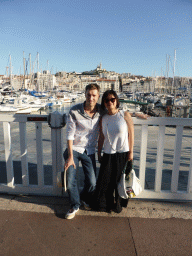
[[106, 94]]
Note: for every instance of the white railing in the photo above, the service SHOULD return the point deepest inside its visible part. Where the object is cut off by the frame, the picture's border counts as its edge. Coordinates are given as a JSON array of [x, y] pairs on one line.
[[162, 123], [57, 143], [55, 153]]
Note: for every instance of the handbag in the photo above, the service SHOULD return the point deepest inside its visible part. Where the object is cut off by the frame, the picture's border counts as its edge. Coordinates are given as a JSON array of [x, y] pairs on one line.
[[129, 185], [133, 185]]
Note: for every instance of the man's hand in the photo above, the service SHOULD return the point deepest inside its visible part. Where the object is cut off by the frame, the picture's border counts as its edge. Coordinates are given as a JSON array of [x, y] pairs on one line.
[[141, 115], [69, 162]]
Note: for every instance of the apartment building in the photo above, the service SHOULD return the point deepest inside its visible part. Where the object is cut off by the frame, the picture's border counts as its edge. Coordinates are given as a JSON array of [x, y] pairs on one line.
[[108, 84], [80, 82], [44, 81]]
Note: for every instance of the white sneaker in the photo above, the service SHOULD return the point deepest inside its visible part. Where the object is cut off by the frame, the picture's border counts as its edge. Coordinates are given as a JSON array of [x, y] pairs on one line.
[[71, 213]]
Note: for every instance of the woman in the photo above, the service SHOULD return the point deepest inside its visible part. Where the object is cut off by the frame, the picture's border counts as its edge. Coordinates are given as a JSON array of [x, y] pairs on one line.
[[117, 137]]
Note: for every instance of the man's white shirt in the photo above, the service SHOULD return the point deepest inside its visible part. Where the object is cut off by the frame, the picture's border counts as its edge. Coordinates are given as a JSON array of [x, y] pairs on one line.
[[83, 129]]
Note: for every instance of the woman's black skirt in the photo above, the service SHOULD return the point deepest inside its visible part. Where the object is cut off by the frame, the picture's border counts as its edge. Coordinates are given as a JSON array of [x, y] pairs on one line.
[[106, 197]]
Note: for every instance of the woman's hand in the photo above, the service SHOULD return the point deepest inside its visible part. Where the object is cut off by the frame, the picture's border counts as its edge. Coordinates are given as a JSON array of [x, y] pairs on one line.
[[99, 158], [130, 155]]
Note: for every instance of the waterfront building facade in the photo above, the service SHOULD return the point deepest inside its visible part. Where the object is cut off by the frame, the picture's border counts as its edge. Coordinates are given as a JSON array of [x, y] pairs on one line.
[[72, 81], [44, 81]]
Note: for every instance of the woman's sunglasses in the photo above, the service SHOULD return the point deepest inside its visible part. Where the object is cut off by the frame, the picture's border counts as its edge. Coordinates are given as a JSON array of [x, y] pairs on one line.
[[112, 100]]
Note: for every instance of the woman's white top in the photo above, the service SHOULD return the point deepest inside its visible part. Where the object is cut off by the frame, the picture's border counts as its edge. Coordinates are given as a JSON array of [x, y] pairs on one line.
[[115, 132]]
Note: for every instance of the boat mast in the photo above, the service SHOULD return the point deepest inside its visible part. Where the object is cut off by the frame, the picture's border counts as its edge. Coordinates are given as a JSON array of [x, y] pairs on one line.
[[29, 71], [10, 71], [167, 72], [160, 89], [38, 72], [173, 84], [7, 71], [23, 70]]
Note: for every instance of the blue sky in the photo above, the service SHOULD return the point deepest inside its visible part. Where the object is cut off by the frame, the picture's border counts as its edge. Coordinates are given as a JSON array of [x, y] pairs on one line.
[[76, 35]]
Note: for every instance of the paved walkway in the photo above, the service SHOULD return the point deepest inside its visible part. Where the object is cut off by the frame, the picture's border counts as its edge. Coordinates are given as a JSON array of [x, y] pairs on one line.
[[32, 225]]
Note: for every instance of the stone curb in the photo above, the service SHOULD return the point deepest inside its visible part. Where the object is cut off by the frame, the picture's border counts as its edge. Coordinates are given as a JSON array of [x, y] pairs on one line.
[[136, 208]]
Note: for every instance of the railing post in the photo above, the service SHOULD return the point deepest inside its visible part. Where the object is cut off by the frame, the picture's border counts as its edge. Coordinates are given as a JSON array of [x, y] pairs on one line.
[[159, 163], [56, 123], [176, 161], [23, 148], [8, 154], [39, 149], [189, 187], [143, 154]]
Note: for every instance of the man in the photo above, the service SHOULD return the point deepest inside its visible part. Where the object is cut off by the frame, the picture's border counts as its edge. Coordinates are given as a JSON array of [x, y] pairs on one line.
[[82, 136]]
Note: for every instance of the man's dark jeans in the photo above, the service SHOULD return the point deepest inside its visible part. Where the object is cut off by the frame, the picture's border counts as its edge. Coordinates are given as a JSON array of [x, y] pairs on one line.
[[88, 164]]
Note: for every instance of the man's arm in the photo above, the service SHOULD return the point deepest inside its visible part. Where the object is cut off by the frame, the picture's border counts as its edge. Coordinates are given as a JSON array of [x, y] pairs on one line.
[[70, 160], [71, 128], [141, 115], [130, 125]]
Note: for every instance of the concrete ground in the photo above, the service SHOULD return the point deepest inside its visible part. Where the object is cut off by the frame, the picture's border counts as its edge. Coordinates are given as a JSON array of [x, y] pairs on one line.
[[31, 225]]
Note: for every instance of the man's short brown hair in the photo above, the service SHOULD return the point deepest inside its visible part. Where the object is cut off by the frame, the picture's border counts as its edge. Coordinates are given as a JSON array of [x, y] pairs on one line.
[[92, 87]]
